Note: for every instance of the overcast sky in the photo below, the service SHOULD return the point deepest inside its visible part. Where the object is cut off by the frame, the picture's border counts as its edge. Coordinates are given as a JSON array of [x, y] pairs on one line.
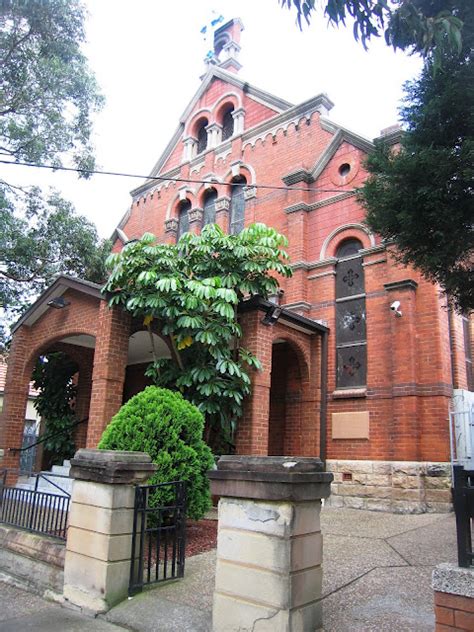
[[148, 56]]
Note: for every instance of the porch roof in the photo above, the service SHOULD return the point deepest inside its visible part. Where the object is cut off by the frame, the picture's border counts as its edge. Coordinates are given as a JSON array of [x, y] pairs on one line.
[[287, 316], [59, 286]]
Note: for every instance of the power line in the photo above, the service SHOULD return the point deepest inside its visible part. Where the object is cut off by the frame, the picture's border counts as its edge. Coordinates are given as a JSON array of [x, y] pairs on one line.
[[168, 179]]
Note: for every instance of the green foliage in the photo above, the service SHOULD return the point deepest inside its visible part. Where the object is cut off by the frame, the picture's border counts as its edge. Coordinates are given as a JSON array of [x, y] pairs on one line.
[[52, 376], [47, 98], [47, 91], [428, 27], [39, 240], [420, 197], [189, 293], [168, 428]]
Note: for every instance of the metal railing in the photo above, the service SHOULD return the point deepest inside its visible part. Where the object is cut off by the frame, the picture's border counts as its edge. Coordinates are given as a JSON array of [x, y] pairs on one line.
[[158, 538], [463, 495], [45, 437], [34, 509]]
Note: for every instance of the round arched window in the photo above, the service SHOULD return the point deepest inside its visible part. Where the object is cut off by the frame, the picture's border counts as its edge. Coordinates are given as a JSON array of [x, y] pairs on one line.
[[348, 248]]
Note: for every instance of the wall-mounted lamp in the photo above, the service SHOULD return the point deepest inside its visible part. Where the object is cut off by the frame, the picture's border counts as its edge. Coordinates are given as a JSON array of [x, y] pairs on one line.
[[58, 302], [395, 307], [272, 316]]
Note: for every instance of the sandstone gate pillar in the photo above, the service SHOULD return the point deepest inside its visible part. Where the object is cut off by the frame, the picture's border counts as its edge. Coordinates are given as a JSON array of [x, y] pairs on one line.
[[269, 550], [99, 540]]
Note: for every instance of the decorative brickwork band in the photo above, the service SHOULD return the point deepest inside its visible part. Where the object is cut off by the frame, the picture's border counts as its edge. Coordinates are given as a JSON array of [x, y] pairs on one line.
[[195, 215], [171, 225], [250, 193]]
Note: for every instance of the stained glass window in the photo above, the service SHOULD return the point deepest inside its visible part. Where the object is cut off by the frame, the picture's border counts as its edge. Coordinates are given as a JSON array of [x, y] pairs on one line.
[[183, 226], [351, 337], [202, 138], [228, 125], [237, 206], [210, 208]]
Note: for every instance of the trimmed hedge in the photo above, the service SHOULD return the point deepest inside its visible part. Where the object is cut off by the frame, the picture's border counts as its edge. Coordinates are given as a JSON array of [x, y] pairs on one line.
[[166, 426]]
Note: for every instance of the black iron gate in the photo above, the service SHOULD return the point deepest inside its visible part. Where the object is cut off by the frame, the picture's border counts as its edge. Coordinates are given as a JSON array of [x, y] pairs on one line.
[[159, 534]]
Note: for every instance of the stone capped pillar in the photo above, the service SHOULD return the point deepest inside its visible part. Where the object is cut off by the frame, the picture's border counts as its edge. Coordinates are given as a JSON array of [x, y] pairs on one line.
[[99, 540], [269, 549]]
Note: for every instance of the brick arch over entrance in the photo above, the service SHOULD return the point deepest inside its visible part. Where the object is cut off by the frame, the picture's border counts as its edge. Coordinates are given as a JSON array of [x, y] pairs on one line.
[[42, 328], [282, 414]]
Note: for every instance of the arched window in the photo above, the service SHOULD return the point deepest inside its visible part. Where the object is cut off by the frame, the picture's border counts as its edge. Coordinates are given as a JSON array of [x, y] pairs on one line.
[[228, 124], [209, 207], [202, 137], [183, 217], [351, 337], [237, 206]]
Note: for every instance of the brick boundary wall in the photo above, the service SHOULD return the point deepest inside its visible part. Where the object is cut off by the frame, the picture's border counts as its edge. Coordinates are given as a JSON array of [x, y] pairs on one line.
[[453, 598], [453, 612]]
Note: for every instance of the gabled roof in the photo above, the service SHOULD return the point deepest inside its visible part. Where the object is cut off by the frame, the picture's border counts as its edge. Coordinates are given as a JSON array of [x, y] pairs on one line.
[[268, 99], [59, 286]]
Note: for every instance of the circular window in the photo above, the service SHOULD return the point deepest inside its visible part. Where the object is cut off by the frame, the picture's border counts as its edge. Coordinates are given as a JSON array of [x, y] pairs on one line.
[[344, 169]]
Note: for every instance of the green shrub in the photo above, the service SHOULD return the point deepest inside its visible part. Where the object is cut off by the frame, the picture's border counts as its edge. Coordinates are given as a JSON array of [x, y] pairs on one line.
[[163, 424]]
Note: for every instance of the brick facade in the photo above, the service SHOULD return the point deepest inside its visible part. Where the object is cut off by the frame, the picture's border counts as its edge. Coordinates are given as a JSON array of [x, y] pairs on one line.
[[313, 165]]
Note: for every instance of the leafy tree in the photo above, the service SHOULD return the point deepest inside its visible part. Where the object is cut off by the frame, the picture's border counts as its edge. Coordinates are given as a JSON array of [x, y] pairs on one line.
[[168, 428], [47, 98], [40, 240], [421, 26], [53, 377], [47, 91], [421, 196], [189, 293]]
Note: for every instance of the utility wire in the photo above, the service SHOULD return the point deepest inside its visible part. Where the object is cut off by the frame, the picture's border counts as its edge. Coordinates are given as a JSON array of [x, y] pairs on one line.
[[167, 179]]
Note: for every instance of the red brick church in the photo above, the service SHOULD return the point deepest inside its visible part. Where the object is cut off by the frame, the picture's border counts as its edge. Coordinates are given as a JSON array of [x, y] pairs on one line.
[[360, 355]]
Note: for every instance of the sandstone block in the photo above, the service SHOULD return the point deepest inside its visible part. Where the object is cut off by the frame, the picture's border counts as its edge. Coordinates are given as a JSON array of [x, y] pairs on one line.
[[405, 481], [381, 480], [99, 545], [354, 502], [102, 520], [381, 467], [437, 482], [103, 495], [408, 507], [438, 495], [276, 518], [406, 494]]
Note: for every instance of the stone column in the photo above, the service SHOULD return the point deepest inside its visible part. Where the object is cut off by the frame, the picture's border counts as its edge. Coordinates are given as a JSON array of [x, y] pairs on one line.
[[239, 119], [269, 550], [99, 540]]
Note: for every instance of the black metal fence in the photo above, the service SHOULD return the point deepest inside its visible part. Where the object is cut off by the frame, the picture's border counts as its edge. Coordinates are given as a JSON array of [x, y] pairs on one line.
[[33, 509], [159, 534], [464, 509]]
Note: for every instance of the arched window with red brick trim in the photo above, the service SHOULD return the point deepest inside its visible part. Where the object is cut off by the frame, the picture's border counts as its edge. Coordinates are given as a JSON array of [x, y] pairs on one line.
[[351, 337]]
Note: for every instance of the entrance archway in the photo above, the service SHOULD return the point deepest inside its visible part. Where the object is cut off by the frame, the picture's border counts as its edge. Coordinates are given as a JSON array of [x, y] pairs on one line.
[[286, 401]]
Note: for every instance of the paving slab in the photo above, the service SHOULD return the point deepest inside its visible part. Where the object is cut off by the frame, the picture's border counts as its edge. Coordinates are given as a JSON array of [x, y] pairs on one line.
[[373, 524], [347, 558], [383, 600], [377, 577], [21, 611], [429, 545], [182, 605]]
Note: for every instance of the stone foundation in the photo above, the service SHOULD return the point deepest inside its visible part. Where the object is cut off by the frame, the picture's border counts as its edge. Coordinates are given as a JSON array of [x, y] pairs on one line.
[[32, 561], [396, 486]]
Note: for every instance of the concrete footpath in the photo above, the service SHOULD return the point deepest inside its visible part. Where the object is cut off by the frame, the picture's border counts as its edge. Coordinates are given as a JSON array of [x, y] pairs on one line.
[[377, 577]]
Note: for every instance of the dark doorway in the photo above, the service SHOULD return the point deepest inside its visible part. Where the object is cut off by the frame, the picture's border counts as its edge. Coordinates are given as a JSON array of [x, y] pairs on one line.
[[284, 436]]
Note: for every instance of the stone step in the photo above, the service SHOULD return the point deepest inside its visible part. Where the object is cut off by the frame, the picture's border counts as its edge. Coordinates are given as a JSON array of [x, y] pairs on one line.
[[61, 469]]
